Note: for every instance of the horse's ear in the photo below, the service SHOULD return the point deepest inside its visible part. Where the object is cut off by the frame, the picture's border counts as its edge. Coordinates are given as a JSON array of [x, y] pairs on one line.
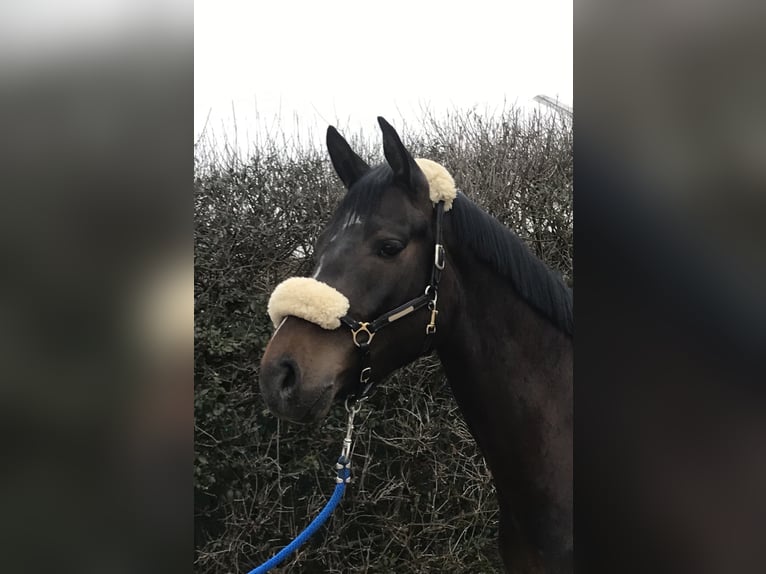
[[401, 161], [349, 166]]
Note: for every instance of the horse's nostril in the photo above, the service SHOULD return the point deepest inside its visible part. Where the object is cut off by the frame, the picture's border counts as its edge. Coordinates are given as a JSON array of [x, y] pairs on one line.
[[288, 374]]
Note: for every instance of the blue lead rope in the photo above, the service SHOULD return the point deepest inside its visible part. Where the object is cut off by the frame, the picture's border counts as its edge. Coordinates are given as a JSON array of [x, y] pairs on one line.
[[343, 467], [344, 473]]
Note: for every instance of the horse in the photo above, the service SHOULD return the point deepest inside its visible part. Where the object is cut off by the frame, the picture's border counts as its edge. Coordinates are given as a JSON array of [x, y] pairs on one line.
[[498, 318]]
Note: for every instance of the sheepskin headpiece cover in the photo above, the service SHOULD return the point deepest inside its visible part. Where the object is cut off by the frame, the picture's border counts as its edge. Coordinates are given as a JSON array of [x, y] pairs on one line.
[[318, 302], [441, 186]]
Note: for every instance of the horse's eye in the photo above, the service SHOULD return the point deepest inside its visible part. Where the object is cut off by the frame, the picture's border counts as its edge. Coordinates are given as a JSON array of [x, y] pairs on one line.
[[390, 248]]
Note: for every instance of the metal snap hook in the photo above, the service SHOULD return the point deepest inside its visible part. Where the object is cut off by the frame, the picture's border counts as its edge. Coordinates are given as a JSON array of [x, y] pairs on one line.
[[346, 449], [431, 327]]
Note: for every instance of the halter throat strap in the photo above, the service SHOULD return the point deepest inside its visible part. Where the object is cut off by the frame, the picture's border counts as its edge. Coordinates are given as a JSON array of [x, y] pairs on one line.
[[363, 332]]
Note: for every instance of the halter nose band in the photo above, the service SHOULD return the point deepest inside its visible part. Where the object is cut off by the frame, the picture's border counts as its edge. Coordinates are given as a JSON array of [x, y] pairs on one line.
[[309, 299]]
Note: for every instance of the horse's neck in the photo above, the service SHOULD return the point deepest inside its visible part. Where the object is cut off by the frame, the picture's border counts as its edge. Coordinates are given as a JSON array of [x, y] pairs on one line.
[[510, 371]]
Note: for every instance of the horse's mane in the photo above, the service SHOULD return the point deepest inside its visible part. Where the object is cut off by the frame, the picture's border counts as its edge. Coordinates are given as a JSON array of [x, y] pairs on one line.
[[502, 249]]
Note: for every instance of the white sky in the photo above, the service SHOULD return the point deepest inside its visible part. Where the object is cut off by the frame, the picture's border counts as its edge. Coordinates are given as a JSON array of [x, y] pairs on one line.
[[346, 62]]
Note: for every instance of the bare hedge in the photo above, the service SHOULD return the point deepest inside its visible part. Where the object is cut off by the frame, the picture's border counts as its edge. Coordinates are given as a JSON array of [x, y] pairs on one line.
[[422, 499]]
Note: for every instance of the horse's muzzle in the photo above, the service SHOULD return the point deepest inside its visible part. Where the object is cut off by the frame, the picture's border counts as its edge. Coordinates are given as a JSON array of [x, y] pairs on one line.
[[286, 395]]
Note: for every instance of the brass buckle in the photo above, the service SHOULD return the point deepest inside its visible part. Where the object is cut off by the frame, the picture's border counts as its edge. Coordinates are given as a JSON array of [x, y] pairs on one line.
[[431, 327], [364, 376], [362, 329]]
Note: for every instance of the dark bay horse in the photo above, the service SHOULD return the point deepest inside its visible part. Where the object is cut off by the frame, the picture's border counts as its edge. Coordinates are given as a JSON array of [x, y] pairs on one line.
[[502, 326]]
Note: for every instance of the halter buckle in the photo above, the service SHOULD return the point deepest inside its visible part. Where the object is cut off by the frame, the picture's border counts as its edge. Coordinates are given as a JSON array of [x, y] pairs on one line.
[[362, 329], [439, 256]]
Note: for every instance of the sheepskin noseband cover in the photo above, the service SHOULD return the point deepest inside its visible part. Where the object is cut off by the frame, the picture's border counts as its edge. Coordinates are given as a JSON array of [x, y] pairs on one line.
[[308, 299]]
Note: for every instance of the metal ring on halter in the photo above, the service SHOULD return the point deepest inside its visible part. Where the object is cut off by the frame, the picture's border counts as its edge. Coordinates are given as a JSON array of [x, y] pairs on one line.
[[362, 329]]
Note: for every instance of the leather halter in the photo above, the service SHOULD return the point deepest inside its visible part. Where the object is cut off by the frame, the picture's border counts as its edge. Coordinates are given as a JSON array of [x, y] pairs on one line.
[[363, 332]]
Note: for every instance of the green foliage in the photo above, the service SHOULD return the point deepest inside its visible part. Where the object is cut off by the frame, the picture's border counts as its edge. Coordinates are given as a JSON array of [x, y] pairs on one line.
[[422, 499]]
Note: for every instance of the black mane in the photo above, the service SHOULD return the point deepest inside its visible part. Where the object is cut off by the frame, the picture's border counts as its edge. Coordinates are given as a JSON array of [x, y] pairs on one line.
[[499, 247]]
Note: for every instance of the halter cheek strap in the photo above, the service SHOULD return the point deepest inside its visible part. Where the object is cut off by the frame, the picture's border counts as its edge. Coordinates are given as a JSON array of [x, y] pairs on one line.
[[363, 332]]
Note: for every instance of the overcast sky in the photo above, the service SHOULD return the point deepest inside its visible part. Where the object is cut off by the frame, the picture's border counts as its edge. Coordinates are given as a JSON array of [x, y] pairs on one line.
[[346, 62]]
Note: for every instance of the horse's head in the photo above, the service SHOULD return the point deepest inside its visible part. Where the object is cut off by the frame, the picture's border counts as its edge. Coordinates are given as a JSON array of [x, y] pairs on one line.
[[376, 254]]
